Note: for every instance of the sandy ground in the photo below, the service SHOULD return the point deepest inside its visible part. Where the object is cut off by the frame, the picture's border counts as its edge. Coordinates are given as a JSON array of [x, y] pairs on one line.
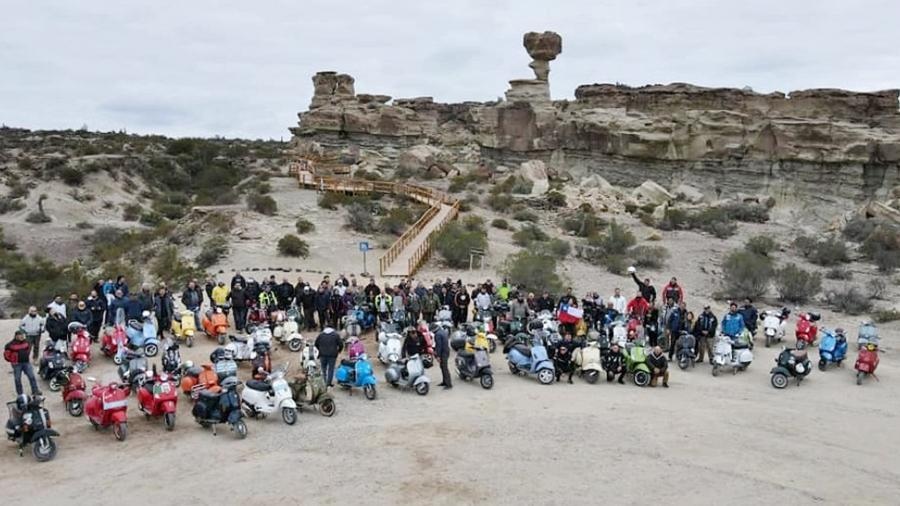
[[731, 439]]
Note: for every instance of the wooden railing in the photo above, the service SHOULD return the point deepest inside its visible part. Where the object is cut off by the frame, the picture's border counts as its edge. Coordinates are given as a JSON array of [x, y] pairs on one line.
[[434, 199]]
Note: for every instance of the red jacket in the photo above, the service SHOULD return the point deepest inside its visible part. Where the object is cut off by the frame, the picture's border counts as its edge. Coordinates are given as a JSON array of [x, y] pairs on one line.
[[16, 352], [639, 307], [670, 291]]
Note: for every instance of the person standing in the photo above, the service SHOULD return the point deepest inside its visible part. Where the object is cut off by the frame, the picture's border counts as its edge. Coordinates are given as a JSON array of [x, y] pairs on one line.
[[146, 298], [307, 299], [97, 306], [115, 310], [430, 305], [57, 305], [618, 301], [33, 326], [414, 306], [442, 350], [673, 291], [644, 286], [80, 314], [56, 326], [704, 331], [461, 303], [383, 302], [16, 353], [323, 300], [330, 345], [191, 299], [164, 307], [239, 303], [733, 321], [750, 315], [219, 296], [372, 291]]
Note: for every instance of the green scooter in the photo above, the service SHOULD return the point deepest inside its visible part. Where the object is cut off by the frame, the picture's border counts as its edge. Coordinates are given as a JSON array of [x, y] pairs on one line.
[[636, 364], [311, 391]]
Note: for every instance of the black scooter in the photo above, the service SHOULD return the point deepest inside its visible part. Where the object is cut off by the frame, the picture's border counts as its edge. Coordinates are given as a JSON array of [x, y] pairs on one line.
[[790, 363], [52, 363], [29, 423], [473, 364], [213, 408]]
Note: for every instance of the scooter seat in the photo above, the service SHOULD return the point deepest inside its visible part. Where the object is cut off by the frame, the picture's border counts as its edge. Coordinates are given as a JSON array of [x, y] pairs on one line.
[[739, 345], [240, 339], [259, 386], [524, 350], [465, 354], [348, 363], [799, 354]]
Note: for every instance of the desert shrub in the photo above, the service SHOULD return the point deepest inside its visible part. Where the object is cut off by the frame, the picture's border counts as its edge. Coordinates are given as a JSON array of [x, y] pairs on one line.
[[876, 288], [212, 251], [132, 212], [746, 274], [513, 184], [615, 264], [151, 219], [882, 246], [500, 202], [715, 221], [797, 285], [37, 218], [533, 271], [396, 220], [839, 273], [557, 248], [849, 300], [761, 245], [827, 252], [617, 239], [71, 176], [526, 215], [455, 241], [747, 212], [359, 218], [38, 280], [859, 228], [674, 219], [84, 225], [262, 204], [171, 211], [292, 246], [8, 205], [331, 200], [473, 224], [172, 269], [886, 315], [528, 235], [500, 223], [556, 199], [304, 226], [583, 223], [649, 257]]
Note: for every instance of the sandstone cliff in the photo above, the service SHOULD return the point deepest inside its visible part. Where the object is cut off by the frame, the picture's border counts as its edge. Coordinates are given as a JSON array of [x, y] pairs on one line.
[[821, 143]]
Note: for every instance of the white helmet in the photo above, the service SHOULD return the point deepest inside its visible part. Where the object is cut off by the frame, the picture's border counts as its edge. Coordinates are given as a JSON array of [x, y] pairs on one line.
[[145, 314]]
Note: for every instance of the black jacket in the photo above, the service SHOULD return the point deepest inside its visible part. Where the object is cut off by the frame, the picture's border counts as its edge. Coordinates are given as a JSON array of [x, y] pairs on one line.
[[545, 304], [97, 307], [329, 344], [238, 279], [285, 293], [253, 290], [413, 346], [647, 291], [238, 298], [164, 306], [192, 299], [57, 328], [82, 316], [706, 322], [307, 298], [661, 362], [146, 300], [323, 300], [372, 290]]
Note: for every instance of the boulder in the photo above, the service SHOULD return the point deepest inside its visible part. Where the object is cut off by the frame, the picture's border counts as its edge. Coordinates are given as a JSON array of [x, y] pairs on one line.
[[536, 172], [659, 212], [688, 193], [418, 158], [501, 169], [652, 193]]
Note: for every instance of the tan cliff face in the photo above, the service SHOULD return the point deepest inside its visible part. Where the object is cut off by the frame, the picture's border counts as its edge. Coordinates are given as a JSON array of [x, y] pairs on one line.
[[824, 143]]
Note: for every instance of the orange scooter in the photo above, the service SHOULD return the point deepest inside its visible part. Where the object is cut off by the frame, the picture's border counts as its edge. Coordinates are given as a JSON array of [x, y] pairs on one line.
[[215, 324], [199, 378]]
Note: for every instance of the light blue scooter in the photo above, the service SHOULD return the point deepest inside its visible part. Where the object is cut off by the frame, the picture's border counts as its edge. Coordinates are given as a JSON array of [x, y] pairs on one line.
[[143, 335], [357, 373], [532, 360], [832, 348]]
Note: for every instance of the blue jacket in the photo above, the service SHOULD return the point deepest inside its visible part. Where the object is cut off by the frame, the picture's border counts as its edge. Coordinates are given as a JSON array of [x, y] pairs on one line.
[[732, 324], [114, 307], [674, 323], [751, 316], [108, 288]]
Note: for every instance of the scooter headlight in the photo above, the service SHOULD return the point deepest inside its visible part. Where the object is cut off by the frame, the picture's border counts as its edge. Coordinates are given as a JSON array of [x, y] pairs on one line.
[[800, 368], [393, 357]]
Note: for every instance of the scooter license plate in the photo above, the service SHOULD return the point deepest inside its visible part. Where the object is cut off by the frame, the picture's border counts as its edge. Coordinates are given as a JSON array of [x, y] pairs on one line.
[[163, 388], [280, 389]]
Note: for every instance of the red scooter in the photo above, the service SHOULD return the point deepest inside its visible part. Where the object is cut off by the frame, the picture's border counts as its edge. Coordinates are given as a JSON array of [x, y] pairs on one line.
[[80, 351], [866, 362], [806, 330], [114, 340], [73, 392], [159, 397], [108, 406]]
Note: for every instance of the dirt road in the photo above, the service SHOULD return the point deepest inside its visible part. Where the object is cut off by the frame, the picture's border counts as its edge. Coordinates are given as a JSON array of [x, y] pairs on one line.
[[705, 440]]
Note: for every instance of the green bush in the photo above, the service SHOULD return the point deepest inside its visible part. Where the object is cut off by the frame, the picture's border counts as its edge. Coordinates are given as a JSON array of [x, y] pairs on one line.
[[37, 281], [747, 212], [649, 257], [170, 211], [84, 225], [528, 235], [151, 219], [500, 202], [859, 228], [132, 212], [557, 248], [616, 241], [886, 315], [761, 245], [882, 246], [526, 215], [8, 205], [839, 273], [359, 218], [746, 274], [796, 285], [849, 300], [827, 252], [615, 264], [533, 271], [292, 246], [583, 223], [396, 220], [262, 204], [455, 242], [714, 221], [212, 251], [556, 199], [473, 224], [304, 226], [513, 184], [37, 218], [71, 176], [500, 223], [168, 267], [331, 200]]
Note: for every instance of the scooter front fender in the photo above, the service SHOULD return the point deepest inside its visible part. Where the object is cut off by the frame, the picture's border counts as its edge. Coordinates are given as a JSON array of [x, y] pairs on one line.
[[118, 417], [642, 367], [167, 406], [287, 402], [74, 394], [484, 371], [544, 364], [780, 370], [421, 379], [44, 433], [367, 380]]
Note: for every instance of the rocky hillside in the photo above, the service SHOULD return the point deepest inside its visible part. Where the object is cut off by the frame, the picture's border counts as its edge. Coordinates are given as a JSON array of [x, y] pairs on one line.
[[806, 146]]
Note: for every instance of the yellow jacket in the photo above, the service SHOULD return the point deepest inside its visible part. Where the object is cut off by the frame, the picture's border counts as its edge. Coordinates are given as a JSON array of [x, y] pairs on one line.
[[220, 294]]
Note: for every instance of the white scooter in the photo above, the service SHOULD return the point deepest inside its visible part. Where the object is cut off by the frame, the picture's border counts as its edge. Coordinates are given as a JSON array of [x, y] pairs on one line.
[[243, 348], [409, 373], [774, 325], [390, 344], [288, 333], [262, 398], [309, 357], [588, 362], [734, 353]]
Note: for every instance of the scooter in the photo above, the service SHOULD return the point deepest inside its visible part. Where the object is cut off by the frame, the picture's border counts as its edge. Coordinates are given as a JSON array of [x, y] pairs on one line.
[[262, 398], [365, 316], [868, 333], [197, 378], [832, 348], [171, 359], [390, 344], [310, 390], [774, 325], [806, 329], [133, 371], [142, 334], [80, 353], [484, 320], [108, 407], [184, 326], [53, 361], [790, 363], [352, 328], [732, 353], [866, 362], [73, 391], [215, 324], [115, 341], [222, 405], [588, 361], [159, 397], [472, 360], [409, 373], [244, 348], [29, 424], [223, 363], [686, 350], [357, 373], [288, 333], [533, 360], [635, 356]]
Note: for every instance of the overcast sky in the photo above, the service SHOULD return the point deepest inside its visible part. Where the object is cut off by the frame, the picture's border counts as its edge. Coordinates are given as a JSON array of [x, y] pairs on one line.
[[239, 68]]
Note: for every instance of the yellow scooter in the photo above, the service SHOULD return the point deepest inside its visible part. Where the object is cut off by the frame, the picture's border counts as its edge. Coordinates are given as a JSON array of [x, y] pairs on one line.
[[184, 327]]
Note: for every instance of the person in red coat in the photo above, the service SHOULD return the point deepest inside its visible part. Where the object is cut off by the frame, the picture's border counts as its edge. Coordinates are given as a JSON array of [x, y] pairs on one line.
[[638, 306], [673, 291]]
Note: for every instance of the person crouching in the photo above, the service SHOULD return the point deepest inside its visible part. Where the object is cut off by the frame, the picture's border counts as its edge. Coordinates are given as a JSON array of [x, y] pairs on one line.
[[659, 367]]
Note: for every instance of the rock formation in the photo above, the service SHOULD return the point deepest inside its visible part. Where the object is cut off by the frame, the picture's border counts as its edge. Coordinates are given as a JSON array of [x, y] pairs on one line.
[[816, 144]]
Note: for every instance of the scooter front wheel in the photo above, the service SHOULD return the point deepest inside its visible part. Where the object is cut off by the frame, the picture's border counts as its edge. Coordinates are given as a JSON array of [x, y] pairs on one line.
[[169, 420], [120, 430], [683, 363], [54, 385], [487, 381], [545, 376], [641, 378], [289, 415], [859, 377], [75, 407], [823, 365], [715, 370], [44, 449], [189, 341], [592, 376], [221, 339], [151, 350], [327, 407], [295, 345], [240, 429], [779, 380], [369, 391], [422, 388]]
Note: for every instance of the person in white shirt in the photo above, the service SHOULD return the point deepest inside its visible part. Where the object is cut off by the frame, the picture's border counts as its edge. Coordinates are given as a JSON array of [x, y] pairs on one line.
[[58, 305], [483, 299], [618, 301]]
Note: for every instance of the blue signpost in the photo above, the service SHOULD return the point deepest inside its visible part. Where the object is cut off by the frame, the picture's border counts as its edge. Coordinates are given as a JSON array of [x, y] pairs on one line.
[[364, 247]]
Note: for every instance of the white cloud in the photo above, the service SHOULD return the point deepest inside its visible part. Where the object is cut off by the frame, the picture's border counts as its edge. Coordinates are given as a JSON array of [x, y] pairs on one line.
[[243, 69]]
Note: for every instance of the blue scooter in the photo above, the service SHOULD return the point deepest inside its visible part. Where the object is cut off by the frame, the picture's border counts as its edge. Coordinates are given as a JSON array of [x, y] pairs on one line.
[[364, 317], [832, 348], [143, 335], [357, 373], [533, 360]]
